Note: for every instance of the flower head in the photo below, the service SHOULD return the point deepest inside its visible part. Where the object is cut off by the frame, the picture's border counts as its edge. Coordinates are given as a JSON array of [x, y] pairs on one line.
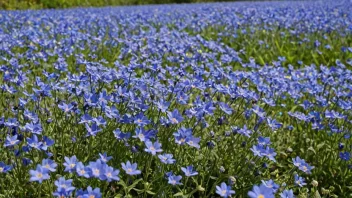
[[130, 169], [224, 190], [261, 192], [39, 175], [70, 163], [153, 148], [174, 179], [189, 171]]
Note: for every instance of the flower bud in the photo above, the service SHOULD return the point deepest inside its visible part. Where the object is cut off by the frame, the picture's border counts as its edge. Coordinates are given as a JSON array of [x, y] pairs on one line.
[[315, 183], [232, 179]]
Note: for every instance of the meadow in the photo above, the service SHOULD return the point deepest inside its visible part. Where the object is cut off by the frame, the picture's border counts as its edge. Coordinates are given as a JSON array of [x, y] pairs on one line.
[[245, 99]]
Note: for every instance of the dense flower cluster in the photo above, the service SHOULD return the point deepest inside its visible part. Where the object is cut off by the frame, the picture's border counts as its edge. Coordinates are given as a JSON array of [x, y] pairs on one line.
[[226, 99]]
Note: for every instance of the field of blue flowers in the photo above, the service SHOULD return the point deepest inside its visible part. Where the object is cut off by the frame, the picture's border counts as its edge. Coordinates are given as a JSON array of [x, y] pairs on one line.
[[200, 100]]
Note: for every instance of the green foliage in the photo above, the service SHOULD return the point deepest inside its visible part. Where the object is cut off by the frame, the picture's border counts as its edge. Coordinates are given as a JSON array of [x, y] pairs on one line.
[[52, 4]]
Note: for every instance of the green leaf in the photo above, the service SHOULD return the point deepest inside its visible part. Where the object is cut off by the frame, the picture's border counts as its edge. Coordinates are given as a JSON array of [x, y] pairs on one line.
[[178, 194], [150, 192], [138, 190], [319, 146], [214, 178], [312, 149], [122, 183], [134, 184]]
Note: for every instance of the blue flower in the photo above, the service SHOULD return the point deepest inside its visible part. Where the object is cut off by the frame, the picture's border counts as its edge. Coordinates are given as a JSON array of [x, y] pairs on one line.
[[261, 192], [141, 120], [264, 141], [64, 187], [100, 121], [40, 174], [225, 108], [49, 165], [112, 112], [299, 181], [153, 148], [189, 171], [11, 141], [193, 142], [92, 130], [182, 98], [166, 158], [174, 179], [70, 164], [86, 118], [98, 169], [302, 165], [120, 135], [4, 168], [47, 142], [257, 150], [208, 108], [34, 142], [270, 153], [143, 135], [66, 107], [346, 156], [163, 105], [224, 190], [83, 171], [90, 193], [130, 169], [34, 128], [271, 184], [287, 194], [244, 131], [11, 122], [111, 174], [174, 117], [104, 98], [104, 157], [298, 161], [181, 135]]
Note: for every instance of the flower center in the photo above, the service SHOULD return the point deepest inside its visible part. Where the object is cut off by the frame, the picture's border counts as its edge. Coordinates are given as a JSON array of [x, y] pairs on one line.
[[260, 196], [39, 175], [173, 120], [223, 192]]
